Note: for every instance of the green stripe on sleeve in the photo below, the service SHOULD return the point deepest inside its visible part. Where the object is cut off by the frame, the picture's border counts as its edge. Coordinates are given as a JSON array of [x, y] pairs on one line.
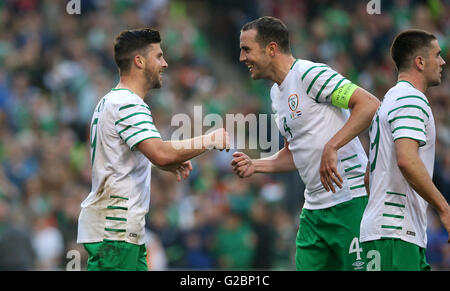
[[136, 124], [416, 139], [409, 128], [409, 106], [314, 80], [136, 143], [313, 67], [406, 117], [413, 96], [131, 115], [137, 132], [324, 85]]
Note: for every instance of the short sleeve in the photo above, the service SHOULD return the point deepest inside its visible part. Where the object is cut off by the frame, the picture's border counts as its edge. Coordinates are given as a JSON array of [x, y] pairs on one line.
[[134, 124], [320, 81], [408, 118]]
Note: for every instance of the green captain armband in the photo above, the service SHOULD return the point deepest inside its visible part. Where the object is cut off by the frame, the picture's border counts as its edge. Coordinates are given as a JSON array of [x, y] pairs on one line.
[[341, 96]]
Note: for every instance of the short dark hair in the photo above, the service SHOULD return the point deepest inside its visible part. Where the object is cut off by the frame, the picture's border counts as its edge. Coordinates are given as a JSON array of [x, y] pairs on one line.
[[270, 29], [408, 45], [130, 42]]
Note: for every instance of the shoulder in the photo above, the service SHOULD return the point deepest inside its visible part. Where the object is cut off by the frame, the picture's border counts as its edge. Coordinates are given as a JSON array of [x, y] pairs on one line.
[[401, 95], [119, 100], [304, 67]]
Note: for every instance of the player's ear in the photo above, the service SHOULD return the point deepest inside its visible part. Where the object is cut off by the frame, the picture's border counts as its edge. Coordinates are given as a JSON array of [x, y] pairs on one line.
[[139, 61], [272, 48], [419, 62]]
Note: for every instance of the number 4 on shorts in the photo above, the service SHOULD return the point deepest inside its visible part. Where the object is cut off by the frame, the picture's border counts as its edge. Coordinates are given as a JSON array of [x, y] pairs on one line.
[[354, 248]]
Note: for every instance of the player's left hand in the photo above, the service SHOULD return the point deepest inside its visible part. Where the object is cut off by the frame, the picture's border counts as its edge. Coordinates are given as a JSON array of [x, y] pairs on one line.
[[181, 171], [328, 169]]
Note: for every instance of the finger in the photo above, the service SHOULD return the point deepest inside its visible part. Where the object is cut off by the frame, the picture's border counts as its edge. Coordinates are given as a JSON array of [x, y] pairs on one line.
[[335, 179], [324, 184], [237, 160], [242, 163], [237, 154], [177, 173], [330, 184]]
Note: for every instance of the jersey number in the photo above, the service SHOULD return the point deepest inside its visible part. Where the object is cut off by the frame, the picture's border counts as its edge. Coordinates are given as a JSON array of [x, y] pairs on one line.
[[93, 139], [374, 133], [286, 127]]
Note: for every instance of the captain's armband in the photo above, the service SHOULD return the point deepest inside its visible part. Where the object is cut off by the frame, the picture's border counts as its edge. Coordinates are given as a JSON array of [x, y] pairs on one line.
[[341, 96]]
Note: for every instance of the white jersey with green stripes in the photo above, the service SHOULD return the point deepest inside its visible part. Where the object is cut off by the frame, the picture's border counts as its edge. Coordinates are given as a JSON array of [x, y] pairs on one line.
[[308, 120], [120, 195], [394, 208]]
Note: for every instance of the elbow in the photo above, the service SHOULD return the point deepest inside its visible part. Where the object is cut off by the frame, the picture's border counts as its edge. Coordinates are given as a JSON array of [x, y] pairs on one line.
[[161, 160], [374, 104], [403, 164]]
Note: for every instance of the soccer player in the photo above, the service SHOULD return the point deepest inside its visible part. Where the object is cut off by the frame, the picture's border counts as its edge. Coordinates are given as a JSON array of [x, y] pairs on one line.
[[124, 140], [312, 102], [401, 158]]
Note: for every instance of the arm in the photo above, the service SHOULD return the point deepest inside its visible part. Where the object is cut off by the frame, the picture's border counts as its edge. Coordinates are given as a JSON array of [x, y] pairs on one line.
[[363, 105], [366, 179], [282, 161], [181, 171], [164, 154], [416, 174]]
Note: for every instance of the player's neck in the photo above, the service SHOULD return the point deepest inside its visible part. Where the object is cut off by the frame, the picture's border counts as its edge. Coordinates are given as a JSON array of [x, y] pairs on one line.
[[133, 84], [281, 68], [415, 80]]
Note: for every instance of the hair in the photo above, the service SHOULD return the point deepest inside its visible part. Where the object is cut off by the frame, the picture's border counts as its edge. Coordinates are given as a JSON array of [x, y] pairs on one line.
[[130, 42], [408, 45], [270, 29]]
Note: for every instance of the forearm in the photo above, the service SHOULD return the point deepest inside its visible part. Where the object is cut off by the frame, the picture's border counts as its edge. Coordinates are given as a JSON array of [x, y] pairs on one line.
[[366, 179], [363, 106], [165, 154], [282, 161], [417, 176], [175, 152]]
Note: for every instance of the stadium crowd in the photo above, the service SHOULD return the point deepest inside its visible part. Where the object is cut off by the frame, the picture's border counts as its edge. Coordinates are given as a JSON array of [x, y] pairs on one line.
[[55, 67]]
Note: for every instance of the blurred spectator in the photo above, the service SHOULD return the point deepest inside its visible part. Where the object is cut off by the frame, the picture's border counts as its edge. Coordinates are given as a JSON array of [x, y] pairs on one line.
[[52, 76], [16, 250]]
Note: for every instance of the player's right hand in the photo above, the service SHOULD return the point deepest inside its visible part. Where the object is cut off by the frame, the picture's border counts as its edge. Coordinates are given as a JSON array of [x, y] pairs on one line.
[[218, 139], [242, 165]]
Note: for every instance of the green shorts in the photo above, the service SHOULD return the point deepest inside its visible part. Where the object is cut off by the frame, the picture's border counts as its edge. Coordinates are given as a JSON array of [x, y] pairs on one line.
[[392, 254], [328, 239], [116, 256]]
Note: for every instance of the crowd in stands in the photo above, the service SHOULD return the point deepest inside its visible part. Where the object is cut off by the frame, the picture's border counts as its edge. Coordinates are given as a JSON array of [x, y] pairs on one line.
[[56, 66]]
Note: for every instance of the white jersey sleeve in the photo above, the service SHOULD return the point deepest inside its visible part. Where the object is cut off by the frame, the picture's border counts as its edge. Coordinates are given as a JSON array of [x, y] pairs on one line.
[[134, 123], [408, 116], [321, 81]]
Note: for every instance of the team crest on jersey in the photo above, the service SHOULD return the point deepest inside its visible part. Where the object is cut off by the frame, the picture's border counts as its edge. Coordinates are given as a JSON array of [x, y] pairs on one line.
[[293, 106]]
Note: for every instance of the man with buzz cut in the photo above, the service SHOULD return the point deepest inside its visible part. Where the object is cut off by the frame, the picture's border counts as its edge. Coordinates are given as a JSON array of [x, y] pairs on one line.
[[401, 159], [312, 102], [124, 143]]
